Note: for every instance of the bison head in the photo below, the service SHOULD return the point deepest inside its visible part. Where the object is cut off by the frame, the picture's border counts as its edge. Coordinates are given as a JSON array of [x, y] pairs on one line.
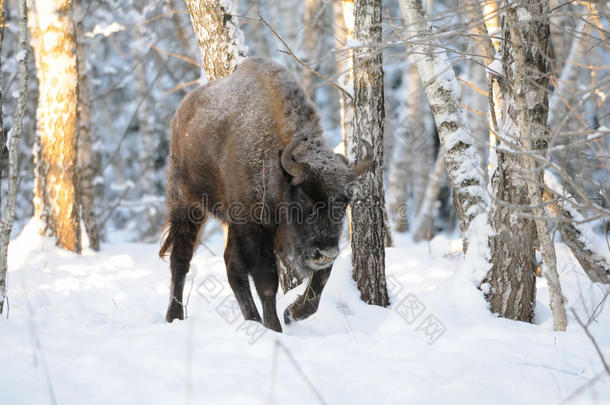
[[320, 186]]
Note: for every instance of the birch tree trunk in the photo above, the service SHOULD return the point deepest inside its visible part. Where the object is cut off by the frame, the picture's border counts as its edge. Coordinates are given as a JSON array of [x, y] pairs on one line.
[[529, 33], [368, 229], [218, 34], [314, 43], [565, 84], [55, 201], [531, 83], [2, 141], [425, 217], [146, 125], [410, 162], [344, 33], [576, 234], [88, 161], [443, 93], [148, 138], [13, 154], [511, 282]]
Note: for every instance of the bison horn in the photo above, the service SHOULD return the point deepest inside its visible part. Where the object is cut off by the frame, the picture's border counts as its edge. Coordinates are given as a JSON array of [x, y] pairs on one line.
[[366, 163], [293, 168]]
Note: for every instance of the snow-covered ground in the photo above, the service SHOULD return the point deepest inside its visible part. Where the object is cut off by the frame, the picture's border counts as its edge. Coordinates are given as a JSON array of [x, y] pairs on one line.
[[90, 329]]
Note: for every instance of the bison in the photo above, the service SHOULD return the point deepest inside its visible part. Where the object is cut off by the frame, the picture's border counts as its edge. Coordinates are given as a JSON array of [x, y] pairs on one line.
[[249, 150]]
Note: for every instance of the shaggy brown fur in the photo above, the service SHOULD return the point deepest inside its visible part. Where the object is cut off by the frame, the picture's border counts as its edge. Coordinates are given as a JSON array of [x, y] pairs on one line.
[[227, 160]]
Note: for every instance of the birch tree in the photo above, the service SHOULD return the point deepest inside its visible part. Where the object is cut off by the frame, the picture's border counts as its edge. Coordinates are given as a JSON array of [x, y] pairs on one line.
[[55, 199], [13, 142], [576, 232], [88, 160], [518, 109], [367, 221], [313, 18], [529, 33], [411, 144], [443, 94], [2, 141], [423, 223], [344, 34], [218, 34]]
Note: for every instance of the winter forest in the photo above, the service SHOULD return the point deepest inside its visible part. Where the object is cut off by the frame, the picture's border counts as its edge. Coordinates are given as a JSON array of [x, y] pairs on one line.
[[304, 202]]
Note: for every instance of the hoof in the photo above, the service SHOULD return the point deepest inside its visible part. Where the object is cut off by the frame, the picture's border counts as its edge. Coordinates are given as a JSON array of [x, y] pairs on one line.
[[175, 311], [273, 326], [287, 316]]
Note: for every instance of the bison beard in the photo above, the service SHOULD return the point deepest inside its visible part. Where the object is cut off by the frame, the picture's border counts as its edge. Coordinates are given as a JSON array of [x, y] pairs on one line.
[[249, 150]]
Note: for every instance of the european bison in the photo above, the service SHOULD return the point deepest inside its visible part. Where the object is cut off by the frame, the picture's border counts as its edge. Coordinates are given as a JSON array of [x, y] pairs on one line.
[[249, 149]]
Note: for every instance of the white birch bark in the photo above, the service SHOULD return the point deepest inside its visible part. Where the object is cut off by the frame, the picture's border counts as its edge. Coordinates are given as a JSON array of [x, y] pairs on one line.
[[566, 82], [443, 93], [146, 132], [313, 19], [13, 152], [2, 140], [422, 228], [368, 219], [575, 232], [344, 33], [408, 154], [530, 86], [221, 42]]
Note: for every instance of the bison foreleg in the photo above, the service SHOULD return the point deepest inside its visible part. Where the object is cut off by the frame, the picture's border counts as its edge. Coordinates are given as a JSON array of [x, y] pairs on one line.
[[305, 305], [266, 281]]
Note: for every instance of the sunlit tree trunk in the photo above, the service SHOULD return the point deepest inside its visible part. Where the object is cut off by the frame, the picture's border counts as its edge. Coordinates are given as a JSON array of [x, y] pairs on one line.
[[88, 160], [55, 200], [368, 229]]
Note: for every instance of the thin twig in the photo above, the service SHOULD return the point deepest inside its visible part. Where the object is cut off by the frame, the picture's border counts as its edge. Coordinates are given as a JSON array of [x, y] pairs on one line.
[[310, 384], [590, 336], [299, 61]]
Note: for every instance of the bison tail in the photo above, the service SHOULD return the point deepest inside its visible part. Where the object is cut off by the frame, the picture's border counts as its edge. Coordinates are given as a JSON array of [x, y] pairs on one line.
[[167, 241]]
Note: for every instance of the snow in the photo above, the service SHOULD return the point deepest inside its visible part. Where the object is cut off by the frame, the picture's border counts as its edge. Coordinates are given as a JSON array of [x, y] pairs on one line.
[[105, 30], [523, 15], [352, 43], [21, 55], [9, 136], [495, 67], [91, 329]]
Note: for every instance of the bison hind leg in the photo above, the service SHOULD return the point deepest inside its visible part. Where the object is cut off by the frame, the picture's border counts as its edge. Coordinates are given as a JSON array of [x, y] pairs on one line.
[[181, 239]]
